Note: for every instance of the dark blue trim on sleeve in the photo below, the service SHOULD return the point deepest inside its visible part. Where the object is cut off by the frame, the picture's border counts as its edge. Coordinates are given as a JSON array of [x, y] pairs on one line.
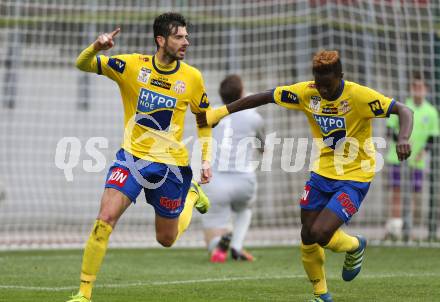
[[273, 96], [98, 59], [393, 102]]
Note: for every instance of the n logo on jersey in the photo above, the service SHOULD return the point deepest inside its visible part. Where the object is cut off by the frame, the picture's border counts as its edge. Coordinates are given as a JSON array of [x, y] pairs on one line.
[[289, 97], [155, 110], [332, 128], [376, 107], [116, 64], [204, 102]]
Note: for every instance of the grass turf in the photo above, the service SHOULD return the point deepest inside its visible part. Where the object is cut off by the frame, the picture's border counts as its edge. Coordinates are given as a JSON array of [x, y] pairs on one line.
[[129, 275]]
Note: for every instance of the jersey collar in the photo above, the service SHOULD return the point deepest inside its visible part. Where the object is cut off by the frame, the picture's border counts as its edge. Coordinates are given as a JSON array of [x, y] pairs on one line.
[[165, 71], [340, 90]]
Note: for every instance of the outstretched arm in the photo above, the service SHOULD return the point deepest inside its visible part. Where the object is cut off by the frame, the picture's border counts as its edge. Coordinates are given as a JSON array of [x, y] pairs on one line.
[[212, 117], [403, 148], [105, 41]]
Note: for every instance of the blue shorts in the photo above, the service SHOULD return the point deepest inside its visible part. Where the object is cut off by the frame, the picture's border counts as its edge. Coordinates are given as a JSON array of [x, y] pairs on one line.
[[343, 197], [165, 186]]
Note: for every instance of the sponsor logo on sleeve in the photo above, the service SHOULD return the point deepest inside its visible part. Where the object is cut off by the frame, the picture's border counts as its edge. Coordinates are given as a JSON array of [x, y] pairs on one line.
[[204, 102], [116, 64], [289, 97], [376, 107]]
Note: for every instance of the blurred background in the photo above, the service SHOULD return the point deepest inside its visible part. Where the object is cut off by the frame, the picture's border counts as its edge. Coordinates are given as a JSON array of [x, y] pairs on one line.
[[46, 103]]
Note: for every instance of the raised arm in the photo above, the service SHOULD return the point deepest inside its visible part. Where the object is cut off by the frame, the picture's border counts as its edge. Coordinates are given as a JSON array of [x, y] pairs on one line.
[[105, 41], [403, 148], [212, 117]]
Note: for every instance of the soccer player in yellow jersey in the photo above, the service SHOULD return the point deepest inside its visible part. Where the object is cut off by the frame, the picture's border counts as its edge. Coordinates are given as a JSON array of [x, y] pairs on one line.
[[339, 113], [156, 92]]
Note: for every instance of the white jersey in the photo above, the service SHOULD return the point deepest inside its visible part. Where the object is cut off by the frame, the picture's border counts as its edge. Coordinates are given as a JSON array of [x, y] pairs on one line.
[[234, 183], [239, 136]]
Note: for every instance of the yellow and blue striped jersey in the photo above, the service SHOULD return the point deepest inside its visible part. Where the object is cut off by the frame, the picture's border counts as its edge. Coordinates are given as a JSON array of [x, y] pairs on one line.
[[155, 101], [342, 128]]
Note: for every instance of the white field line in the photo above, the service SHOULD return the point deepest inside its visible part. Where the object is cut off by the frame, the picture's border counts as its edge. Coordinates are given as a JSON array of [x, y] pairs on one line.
[[212, 280]]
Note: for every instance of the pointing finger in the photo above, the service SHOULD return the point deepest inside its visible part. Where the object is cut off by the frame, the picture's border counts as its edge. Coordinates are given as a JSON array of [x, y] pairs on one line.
[[115, 32]]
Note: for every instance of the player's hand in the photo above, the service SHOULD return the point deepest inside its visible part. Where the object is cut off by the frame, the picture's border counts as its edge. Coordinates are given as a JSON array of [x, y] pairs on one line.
[[211, 117], [105, 41], [403, 149], [206, 172]]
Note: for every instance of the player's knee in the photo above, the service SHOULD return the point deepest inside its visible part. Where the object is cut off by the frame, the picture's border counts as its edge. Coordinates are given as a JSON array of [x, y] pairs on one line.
[[166, 240], [306, 238], [320, 236], [108, 218]]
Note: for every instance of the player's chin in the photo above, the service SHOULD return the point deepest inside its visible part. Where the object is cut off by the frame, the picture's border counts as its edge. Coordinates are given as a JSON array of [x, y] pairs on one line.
[[180, 55]]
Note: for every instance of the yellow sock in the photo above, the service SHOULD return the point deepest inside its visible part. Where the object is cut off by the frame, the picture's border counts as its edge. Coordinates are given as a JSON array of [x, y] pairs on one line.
[[313, 258], [186, 215], [94, 253], [342, 242]]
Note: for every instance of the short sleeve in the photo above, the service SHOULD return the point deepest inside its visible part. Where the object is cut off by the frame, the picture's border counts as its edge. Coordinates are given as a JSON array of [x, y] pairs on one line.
[[114, 67], [288, 96], [372, 104], [199, 99]]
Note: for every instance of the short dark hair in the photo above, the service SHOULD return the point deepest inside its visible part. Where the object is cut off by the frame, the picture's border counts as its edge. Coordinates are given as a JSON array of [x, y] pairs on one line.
[[231, 88], [417, 76], [327, 61], [166, 23]]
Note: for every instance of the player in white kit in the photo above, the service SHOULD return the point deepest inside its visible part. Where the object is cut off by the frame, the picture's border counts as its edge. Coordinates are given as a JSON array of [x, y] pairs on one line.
[[233, 189]]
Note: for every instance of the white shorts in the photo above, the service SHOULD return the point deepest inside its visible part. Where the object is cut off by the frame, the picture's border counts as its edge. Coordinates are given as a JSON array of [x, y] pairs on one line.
[[228, 192]]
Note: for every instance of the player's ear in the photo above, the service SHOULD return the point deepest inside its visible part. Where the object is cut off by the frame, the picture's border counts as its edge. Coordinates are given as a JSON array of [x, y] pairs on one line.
[[160, 41]]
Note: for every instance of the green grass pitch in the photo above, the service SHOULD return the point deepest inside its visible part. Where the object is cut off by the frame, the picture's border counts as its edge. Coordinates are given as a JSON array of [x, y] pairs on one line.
[[135, 275]]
